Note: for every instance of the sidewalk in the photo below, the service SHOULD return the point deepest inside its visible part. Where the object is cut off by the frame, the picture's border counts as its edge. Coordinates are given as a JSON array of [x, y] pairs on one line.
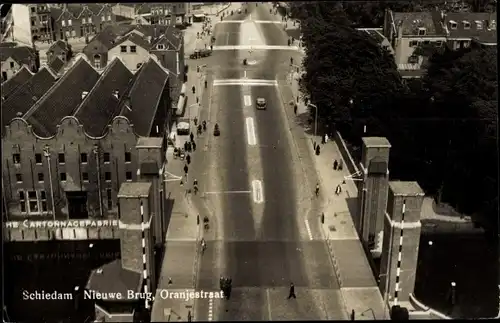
[[358, 286]]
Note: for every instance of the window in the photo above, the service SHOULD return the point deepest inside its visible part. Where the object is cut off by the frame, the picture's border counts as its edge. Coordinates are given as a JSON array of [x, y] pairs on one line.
[[426, 42], [85, 176], [32, 202], [108, 195], [63, 177], [38, 159], [19, 178], [128, 176], [83, 158], [453, 25], [160, 46], [107, 176], [479, 24], [22, 201], [33, 10], [133, 49], [63, 23], [32, 22], [69, 22], [109, 18], [106, 158], [413, 43], [128, 157], [73, 33], [89, 19], [67, 34], [84, 21], [103, 18], [123, 49], [11, 64], [466, 24], [16, 158], [61, 158], [40, 177], [421, 31], [43, 199], [439, 43]]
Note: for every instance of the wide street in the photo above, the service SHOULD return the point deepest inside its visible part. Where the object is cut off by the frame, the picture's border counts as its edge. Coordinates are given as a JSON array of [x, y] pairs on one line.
[[262, 229]]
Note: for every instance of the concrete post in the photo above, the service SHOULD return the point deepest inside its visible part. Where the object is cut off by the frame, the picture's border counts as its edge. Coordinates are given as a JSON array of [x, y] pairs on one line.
[[401, 241]]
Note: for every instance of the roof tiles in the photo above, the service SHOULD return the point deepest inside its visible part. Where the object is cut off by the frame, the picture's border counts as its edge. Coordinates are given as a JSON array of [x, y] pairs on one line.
[[145, 96], [62, 99], [56, 65], [22, 55], [101, 105], [21, 77]]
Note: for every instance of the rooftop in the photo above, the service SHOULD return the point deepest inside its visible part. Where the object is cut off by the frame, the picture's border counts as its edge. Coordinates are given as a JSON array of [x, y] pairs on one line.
[[412, 21], [108, 36], [134, 189], [56, 65], [146, 142], [134, 38], [25, 96], [376, 141], [101, 104], [145, 96], [406, 188], [113, 278], [18, 79], [478, 25], [62, 99], [59, 44], [160, 32], [22, 55]]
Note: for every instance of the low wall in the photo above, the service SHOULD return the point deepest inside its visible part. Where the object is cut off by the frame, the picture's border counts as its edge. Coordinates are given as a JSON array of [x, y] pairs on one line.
[[350, 163]]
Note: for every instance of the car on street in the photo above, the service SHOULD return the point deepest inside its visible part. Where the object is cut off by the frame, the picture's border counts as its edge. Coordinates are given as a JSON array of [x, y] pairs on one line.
[[260, 103]]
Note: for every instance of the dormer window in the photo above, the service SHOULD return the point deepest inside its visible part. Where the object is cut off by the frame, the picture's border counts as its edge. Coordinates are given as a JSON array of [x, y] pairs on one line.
[[453, 24], [479, 24], [160, 46], [493, 24], [466, 24], [421, 31]]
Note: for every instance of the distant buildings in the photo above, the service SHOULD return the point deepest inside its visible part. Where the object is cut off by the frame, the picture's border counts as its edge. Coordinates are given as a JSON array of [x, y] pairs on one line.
[[407, 31], [14, 58]]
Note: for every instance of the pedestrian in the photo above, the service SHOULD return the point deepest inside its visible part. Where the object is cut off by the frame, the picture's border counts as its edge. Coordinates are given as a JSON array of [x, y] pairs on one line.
[[188, 159], [221, 283], [289, 42], [292, 291], [341, 164], [195, 121], [338, 190], [193, 89], [314, 145], [317, 150], [317, 189], [194, 146], [191, 136], [323, 139], [326, 138], [353, 315], [185, 146], [186, 169], [335, 164], [211, 47], [295, 109]]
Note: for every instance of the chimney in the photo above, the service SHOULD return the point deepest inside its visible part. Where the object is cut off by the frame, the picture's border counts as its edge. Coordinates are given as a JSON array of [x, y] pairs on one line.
[[116, 94], [84, 94]]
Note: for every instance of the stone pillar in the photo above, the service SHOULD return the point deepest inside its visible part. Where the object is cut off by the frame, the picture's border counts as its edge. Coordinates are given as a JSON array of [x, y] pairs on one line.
[[150, 158], [373, 201], [136, 231], [401, 241]]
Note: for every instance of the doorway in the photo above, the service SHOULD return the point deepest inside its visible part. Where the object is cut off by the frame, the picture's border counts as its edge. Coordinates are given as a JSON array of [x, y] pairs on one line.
[[77, 205]]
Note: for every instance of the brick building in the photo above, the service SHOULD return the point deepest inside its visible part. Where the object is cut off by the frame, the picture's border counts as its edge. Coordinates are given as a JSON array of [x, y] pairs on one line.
[[13, 59], [72, 145], [176, 13]]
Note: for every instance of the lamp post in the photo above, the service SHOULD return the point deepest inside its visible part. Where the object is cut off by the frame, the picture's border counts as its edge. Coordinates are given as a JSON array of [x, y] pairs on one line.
[[315, 117], [46, 153]]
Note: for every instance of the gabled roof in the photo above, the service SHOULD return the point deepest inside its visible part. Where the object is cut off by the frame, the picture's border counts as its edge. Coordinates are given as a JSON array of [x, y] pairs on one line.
[[161, 33], [109, 34], [56, 65], [412, 21], [134, 38], [62, 99], [27, 95], [18, 79], [144, 97], [100, 106], [484, 19], [59, 44], [113, 278], [22, 55]]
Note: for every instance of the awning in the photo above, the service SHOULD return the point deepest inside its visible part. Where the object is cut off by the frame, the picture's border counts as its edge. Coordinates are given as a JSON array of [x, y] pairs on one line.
[[180, 105]]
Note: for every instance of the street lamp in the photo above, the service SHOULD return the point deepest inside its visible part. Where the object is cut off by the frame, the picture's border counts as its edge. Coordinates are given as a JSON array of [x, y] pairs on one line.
[[315, 117], [46, 153]]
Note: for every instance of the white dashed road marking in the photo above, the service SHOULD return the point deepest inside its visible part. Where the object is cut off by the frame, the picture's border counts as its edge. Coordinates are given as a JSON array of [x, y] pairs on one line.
[[210, 309], [245, 81], [308, 228], [258, 194], [251, 138], [247, 100]]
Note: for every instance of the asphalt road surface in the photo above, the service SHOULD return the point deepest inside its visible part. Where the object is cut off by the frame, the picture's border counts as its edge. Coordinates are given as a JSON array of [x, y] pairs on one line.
[[262, 246]]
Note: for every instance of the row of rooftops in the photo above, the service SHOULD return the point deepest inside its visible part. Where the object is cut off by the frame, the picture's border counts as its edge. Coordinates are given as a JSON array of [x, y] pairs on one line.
[[459, 25], [43, 99]]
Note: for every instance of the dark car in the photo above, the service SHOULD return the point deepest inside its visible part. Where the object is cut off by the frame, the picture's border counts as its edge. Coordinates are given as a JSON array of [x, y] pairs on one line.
[[260, 103]]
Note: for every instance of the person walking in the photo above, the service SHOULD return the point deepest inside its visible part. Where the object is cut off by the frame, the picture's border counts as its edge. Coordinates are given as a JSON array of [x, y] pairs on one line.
[[221, 283], [195, 121], [194, 145], [353, 315], [338, 190], [317, 189], [186, 169], [185, 146], [291, 293], [295, 109], [188, 159], [335, 164], [326, 138], [341, 164], [317, 150], [191, 136]]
